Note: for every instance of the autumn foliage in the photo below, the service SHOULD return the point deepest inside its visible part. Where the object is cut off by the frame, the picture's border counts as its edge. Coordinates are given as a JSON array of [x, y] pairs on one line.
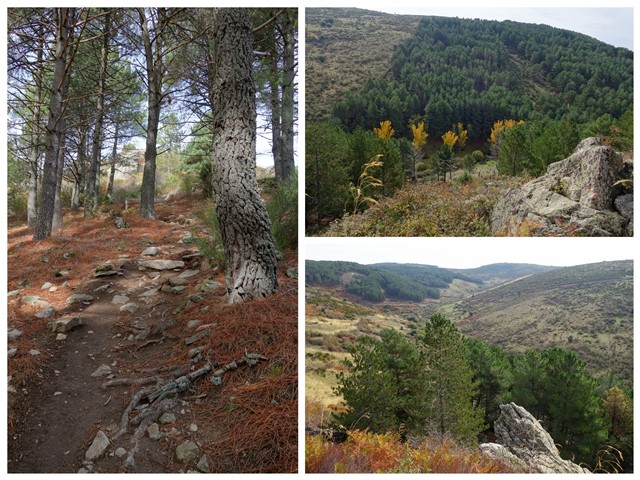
[[385, 132], [500, 126], [366, 452]]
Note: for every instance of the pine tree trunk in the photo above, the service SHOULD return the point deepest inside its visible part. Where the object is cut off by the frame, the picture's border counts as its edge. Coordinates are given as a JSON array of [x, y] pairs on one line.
[[34, 154], [64, 28], [57, 203], [93, 182], [114, 154], [288, 100], [154, 64], [244, 224], [79, 186]]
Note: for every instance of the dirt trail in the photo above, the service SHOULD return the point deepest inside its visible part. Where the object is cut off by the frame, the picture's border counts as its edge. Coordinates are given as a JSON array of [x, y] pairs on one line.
[[69, 407]]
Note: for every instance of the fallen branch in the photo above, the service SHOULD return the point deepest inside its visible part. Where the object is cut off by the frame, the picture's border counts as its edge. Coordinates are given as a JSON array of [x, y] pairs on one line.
[[130, 381]]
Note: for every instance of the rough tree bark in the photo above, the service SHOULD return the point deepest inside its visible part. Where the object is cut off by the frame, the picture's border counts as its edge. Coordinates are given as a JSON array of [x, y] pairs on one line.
[[288, 101], [35, 148], [81, 172], [244, 223], [57, 203], [114, 154], [64, 28]]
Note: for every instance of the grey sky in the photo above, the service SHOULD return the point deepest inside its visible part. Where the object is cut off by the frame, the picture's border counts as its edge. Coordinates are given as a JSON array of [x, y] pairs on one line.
[[470, 252], [610, 25]]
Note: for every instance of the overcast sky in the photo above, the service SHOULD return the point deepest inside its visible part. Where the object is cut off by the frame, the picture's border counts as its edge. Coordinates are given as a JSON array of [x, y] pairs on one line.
[[610, 25], [470, 252]]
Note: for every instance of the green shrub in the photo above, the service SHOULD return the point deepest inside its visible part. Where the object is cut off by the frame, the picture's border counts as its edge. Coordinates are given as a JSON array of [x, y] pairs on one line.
[[478, 156], [283, 211]]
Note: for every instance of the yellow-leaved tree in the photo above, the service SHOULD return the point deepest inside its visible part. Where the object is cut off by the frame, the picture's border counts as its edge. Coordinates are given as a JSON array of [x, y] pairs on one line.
[[502, 125], [385, 132], [450, 139], [462, 135], [417, 147]]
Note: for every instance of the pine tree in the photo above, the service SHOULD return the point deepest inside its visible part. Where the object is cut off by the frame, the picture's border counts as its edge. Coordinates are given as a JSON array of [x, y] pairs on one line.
[[450, 377]]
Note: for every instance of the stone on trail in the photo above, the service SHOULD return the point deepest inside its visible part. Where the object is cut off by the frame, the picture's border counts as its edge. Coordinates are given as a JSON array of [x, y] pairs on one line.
[[150, 251], [61, 336], [46, 286], [129, 308], [154, 431], [120, 452], [191, 324], [34, 352], [167, 417], [46, 313], [203, 465], [64, 324], [35, 301], [176, 290], [177, 281], [117, 299], [12, 352], [14, 334], [189, 273], [14, 293], [162, 264], [97, 448], [196, 337], [102, 371], [105, 270], [187, 451], [78, 297]]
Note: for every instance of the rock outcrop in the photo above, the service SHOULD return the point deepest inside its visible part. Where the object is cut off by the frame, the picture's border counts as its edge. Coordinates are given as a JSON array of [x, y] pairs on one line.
[[576, 196], [524, 444]]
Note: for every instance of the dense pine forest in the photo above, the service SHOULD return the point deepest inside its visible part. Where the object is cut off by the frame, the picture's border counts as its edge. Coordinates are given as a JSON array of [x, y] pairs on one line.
[[470, 99]]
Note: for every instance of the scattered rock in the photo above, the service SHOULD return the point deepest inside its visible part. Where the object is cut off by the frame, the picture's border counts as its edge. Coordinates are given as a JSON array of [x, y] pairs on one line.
[[120, 299], [177, 281], [189, 273], [46, 313], [120, 452], [103, 287], [187, 451], [576, 195], [154, 431], [97, 448], [176, 290], [194, 352], [292, 272], [46, 286], [149, 293], [208, 286], [35, 301], [203, 465], [624, 205], [64, 324], [120, 223], [193, 428], [150, 251], [14, 293], [195, 338], [56, 394], [61, 336], [191, 324], [78, 297], [162, 264], [62, 273], [167, 417], [12, 352], [519, 434], [33, 352], [129, 308], [102, 371], [187, 237], [14, 334]]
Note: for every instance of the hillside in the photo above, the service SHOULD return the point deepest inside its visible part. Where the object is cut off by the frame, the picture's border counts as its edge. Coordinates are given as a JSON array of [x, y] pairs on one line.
[[345, 46], [587, 309], [459, 70], [497, 273], [377, 282]]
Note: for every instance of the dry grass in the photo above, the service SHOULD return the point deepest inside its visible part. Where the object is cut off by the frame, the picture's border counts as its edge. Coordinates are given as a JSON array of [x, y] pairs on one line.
[[366, 452]]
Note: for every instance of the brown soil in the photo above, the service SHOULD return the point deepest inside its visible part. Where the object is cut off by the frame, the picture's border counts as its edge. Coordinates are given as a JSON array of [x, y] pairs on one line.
[[247, 424]]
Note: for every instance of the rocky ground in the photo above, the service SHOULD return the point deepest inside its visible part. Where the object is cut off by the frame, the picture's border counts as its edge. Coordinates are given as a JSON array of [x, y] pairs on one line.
[[96, 337]]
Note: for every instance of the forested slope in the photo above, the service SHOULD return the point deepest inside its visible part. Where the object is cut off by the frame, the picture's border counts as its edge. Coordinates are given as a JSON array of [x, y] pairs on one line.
[[477, 71]]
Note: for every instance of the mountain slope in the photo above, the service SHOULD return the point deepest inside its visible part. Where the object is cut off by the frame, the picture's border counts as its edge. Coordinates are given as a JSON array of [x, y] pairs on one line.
[[497, 273], [587, 309], [458, 70]]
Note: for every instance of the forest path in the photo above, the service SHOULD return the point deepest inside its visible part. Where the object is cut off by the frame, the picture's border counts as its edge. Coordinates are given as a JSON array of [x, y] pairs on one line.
[[66, 405]]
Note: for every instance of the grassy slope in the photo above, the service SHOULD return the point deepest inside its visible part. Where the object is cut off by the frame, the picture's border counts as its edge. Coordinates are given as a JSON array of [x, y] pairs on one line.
[[587, 309], [344, 48]]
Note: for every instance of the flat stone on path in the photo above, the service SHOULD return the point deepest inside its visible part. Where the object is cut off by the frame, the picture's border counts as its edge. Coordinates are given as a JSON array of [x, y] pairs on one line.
[[46, 286], [35, 301], [97, 448], [14, 293], [177, 290], [167, 417], [102, 371], [203, 465], [189, 273], [34, 352], [150, 251], [117, 299], [79, 297], [162, 264], [187, 451], [177, 281], [64, 324], [149, 293], [129, 308], [196, 337], [61, 336], [46, 313], [154, 431], [120, 452], [14, 334]]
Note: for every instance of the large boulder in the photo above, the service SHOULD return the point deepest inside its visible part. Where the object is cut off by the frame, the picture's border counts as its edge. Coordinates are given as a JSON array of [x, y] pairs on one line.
[[576, 196], [523, 442]]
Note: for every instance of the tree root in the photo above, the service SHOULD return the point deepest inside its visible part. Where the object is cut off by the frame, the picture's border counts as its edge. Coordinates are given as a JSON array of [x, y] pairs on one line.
[[161, 397]]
